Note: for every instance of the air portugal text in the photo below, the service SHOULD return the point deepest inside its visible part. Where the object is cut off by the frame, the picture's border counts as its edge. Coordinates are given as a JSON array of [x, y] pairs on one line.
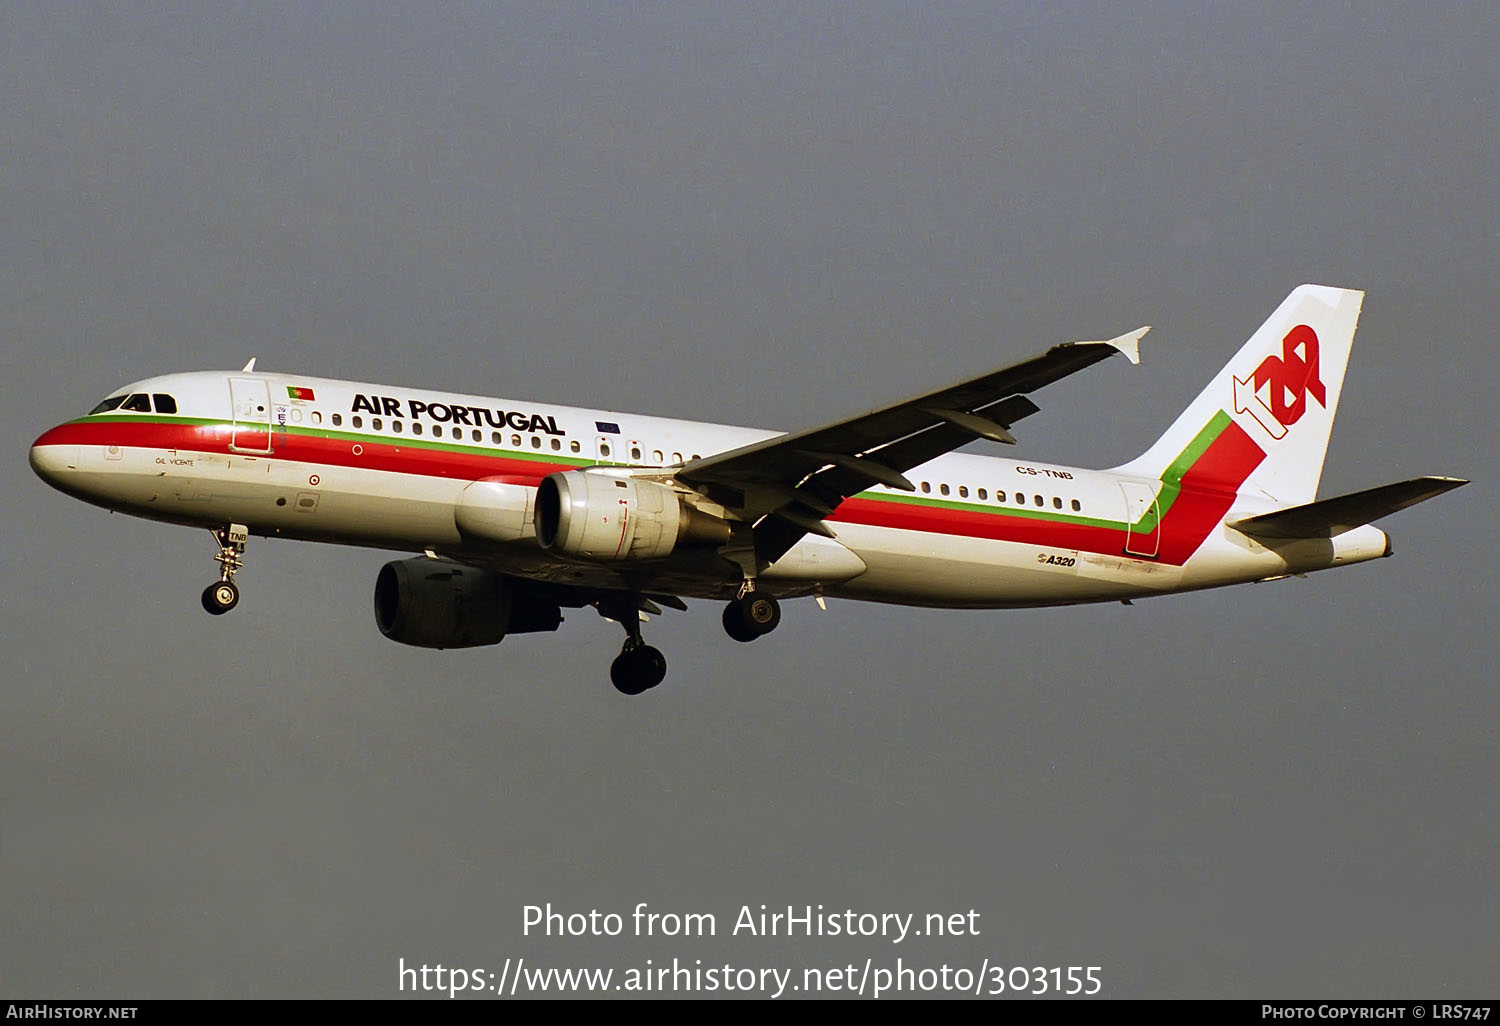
[[443, 413]]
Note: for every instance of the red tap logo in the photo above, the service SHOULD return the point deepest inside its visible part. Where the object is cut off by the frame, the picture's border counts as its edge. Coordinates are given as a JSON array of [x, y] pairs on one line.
[[1276, 393]]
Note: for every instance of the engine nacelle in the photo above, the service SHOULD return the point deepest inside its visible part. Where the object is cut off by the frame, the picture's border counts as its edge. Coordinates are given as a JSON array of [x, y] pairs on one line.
[[598, 516], [432, 603]]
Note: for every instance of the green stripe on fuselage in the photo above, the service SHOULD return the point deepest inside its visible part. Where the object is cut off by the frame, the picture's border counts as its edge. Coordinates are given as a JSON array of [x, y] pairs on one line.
[[304, 431], [1171, 478]]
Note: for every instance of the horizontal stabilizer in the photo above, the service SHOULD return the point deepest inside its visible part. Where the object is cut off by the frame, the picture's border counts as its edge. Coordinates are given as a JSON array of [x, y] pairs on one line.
[[1330, 517]]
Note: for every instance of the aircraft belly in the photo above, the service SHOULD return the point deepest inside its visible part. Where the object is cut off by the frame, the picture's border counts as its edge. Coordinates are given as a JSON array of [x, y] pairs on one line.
[[921, 568]]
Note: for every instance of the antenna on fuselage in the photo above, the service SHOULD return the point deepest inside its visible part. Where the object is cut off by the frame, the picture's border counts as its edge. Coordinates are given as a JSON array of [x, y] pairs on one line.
[[248, 367]]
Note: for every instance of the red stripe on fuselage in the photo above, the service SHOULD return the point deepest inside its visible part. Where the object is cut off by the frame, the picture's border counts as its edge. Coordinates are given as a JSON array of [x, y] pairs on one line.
[[338, 452], [1000, 525], [1208, 488]]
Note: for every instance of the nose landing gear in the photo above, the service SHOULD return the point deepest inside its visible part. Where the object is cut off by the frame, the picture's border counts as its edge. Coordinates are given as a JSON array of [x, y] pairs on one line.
[[223, 595]]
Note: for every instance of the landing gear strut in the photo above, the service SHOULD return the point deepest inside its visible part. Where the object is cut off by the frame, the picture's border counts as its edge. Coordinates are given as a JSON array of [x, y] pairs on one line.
[[751, 614], [223, 595], [639, 667]]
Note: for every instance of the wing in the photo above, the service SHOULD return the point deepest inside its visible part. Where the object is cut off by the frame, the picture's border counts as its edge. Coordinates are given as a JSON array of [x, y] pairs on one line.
[[786, 485]]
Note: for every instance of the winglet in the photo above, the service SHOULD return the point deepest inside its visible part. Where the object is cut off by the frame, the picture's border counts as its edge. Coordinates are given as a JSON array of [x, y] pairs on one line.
[[248, 367], [1130, 343]]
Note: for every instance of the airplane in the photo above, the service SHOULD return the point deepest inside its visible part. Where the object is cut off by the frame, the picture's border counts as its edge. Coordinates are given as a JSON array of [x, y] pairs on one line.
[[520, 509]]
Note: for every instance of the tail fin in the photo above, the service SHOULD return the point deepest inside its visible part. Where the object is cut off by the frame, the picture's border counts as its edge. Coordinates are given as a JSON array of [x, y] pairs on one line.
[[1278, 394]]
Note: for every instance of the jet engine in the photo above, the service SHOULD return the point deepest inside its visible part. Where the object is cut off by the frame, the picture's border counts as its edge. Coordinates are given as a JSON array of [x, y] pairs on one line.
[[598, 516], [432, 603]]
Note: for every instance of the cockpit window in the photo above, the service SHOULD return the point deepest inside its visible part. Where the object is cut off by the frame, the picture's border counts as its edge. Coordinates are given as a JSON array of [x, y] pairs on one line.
[[112, 403], [140, 402], [164, 403]]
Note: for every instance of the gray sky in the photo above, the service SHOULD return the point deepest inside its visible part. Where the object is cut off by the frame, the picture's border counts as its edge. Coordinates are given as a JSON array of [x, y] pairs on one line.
[[772, 215]]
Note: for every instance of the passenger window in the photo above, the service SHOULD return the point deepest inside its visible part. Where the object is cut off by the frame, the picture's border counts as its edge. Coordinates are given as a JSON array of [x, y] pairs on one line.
[[1077, 506], [416, 429], [604, 449], [983, 494], [1020, 499], [635, 452], [926, 487], [112, 403], [1039, 500], [359, 421], [495, 437], [536, 441], [317, 417], [375, 423], [963, 491], [1056, 502], [478, 435], [515, 441], [695, 456], [164, 403], [138, 403], [677, 457], [573, 446], [338, 419], [656, 456], [943, 488], [999, 496], [396, 426], [556, 444]]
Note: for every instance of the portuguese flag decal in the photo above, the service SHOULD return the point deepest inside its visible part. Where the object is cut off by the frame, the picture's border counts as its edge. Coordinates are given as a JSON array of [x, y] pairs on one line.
[[298, 392]]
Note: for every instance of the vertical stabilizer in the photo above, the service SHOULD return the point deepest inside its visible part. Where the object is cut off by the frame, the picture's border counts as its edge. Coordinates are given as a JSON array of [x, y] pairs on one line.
[[1280, 392]]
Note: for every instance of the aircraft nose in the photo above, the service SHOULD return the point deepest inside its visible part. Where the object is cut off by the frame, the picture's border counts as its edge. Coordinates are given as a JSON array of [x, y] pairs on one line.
[[53, 459]]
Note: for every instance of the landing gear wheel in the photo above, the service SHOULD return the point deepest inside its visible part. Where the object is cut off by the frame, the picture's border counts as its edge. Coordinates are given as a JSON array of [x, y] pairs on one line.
[[751, 615], [220, 597], [735, 627], [637, 670]]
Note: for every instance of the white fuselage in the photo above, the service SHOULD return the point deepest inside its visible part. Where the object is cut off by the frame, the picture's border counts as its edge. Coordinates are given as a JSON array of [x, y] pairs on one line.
[[388, 467]]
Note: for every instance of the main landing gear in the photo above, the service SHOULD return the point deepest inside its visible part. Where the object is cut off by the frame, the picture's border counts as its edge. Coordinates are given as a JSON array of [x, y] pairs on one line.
[[639, 667], [751, 614], [223, 595]]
